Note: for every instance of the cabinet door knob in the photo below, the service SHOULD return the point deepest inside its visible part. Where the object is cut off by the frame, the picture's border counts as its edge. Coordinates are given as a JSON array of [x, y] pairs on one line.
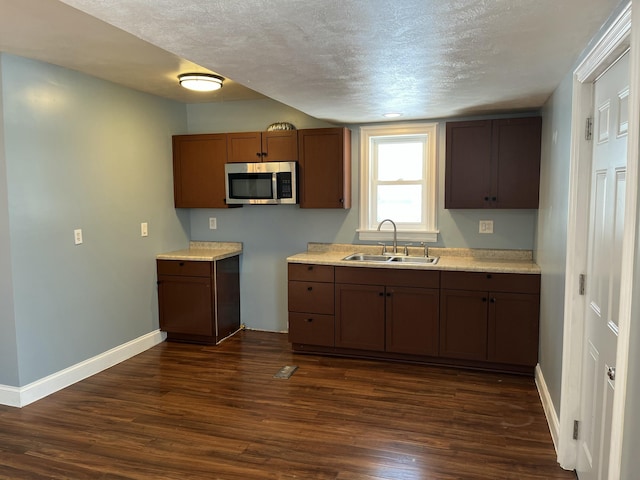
[[310, 267], [309, 320], [493, 199], [381, 294], [484, 299], [181, 264], [309, 288], [258, 154], [486, 199], [489, 275], [493, 300]]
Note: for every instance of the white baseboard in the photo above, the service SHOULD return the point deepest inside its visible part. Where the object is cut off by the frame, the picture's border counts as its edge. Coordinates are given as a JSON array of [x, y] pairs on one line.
[[22, 396], [547, 405]]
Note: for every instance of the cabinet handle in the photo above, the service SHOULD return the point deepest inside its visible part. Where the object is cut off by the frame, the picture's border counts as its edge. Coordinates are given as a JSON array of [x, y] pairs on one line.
[[493, 199], [388, 294], [308, 320], [181, 264], [381, 294], [258, 154], [309, 288], [310, 267], [489, 276], [493, 300], [484, 299], [341, 200], [486, 199]]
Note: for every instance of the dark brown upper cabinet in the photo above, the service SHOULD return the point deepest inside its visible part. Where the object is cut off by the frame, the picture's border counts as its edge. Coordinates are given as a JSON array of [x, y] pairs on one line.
[[493, 163], [198, 170], [272, 146], [324, 167]]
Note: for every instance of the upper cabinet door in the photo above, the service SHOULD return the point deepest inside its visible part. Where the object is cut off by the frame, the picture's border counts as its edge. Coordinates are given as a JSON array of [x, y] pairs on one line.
[[468, 164], [275, 146], [244, 147], [198, 170], [493, 163], [516, 163], [324, 156], [280, 146]]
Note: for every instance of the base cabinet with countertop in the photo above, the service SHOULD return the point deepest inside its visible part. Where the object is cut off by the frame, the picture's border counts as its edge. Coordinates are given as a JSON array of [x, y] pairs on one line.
[[480, 320], [199, 301]]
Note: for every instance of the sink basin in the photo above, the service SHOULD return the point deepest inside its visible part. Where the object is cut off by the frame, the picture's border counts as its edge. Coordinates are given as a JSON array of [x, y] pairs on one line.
[[362, 257], [421, 260]]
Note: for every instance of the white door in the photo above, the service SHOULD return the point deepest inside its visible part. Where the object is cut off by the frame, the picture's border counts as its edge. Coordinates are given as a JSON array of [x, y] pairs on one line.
[[602, 295]]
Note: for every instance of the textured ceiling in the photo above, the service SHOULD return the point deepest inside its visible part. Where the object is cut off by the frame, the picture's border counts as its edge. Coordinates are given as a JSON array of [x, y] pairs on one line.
[[347, 61]]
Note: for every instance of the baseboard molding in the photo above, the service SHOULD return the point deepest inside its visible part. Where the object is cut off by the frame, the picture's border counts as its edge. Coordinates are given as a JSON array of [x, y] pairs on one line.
[[22, 396], [547, 405]]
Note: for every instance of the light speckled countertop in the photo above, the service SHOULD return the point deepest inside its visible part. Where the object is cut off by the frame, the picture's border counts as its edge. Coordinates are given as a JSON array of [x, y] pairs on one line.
[[461, 259], [204, 251]]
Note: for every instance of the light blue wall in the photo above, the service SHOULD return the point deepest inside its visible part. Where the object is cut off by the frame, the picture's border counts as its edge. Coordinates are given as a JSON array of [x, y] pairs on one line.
[[8, 347], [84, 153], [551, 240], [272, 233]]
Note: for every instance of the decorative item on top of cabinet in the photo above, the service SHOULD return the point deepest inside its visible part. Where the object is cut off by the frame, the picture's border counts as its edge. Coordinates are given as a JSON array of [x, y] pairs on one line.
[[271, 146], [198, 170], [199, 301], [493, 163], [325, 167]]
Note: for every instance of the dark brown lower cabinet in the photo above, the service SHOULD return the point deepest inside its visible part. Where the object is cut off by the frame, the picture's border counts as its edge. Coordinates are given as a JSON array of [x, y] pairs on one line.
[[380, 310], [199, 301], [489, 325], [467, 319]]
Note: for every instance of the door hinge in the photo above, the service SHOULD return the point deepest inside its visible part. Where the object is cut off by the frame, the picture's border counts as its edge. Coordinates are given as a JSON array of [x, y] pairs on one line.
[[581, 282], [576, 428], [588, 129]]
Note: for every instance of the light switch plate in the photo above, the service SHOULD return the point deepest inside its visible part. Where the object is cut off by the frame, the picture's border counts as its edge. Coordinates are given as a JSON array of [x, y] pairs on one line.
[[213, 223], [144, 229], [77, 236], [486, 226]]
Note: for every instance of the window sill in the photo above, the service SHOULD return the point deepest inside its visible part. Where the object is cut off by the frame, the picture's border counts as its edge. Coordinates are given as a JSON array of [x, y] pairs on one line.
[[404, 236]]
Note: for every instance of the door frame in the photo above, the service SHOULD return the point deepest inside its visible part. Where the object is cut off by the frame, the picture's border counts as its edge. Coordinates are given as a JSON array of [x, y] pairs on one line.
[[613, 43]]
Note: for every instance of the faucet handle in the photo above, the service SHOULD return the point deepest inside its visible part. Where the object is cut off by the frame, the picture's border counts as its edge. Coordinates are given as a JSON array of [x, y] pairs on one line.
[[406, 248], [426, 248], [384, 247]]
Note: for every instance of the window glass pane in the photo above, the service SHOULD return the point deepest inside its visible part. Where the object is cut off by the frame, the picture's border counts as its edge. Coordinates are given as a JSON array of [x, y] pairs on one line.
[[400, 161], [401, 203]]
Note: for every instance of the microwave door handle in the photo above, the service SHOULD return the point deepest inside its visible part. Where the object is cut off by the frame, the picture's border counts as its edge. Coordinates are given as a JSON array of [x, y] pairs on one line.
[[274, 186]]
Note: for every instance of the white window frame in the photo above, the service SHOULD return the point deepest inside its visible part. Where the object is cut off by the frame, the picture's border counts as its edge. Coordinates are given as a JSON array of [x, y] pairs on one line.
[[429, 231]]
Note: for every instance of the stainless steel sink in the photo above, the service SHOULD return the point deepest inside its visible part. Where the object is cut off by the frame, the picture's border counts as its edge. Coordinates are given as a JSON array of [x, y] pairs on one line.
[[362, 257], [422, 260]]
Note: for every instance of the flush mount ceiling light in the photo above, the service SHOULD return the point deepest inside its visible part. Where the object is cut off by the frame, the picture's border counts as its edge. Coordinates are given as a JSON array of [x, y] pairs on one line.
[[392, 115], [201, 82]]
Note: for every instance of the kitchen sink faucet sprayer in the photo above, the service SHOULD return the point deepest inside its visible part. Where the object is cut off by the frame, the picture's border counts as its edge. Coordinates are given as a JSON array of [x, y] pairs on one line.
[[395, 234]]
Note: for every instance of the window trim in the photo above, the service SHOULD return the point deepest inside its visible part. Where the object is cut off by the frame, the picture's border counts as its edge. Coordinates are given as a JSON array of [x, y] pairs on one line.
[[431, 170]]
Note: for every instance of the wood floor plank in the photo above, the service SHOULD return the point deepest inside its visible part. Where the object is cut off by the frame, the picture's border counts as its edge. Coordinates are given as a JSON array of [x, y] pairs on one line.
[[180, 411]]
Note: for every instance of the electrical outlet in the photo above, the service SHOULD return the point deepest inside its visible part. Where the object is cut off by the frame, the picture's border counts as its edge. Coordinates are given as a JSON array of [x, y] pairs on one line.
[[77, 236], [144, 229], [213, 223], [486, 226]]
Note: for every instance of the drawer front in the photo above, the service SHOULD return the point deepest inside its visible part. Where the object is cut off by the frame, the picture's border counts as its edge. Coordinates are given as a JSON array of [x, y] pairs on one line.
[[495, 282], [188, 268], [311, 297], [311, 329], [306, 272], [390, 277]]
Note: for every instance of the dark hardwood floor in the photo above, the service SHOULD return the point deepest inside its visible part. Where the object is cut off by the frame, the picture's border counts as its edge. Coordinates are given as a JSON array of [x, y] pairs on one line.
[[182, 411]]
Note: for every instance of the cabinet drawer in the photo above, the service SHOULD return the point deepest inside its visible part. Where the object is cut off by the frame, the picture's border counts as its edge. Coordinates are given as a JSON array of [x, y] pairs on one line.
[[495, 282], [310, 273], [388, 277], [313, 297], [311, 329], [184, 267]]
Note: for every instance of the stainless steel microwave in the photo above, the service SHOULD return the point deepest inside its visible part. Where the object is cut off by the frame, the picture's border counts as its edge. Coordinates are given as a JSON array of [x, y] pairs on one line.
[[261, 183]]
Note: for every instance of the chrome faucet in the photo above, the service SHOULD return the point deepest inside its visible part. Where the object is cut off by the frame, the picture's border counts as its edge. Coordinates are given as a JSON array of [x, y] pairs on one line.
[[395, 233]]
